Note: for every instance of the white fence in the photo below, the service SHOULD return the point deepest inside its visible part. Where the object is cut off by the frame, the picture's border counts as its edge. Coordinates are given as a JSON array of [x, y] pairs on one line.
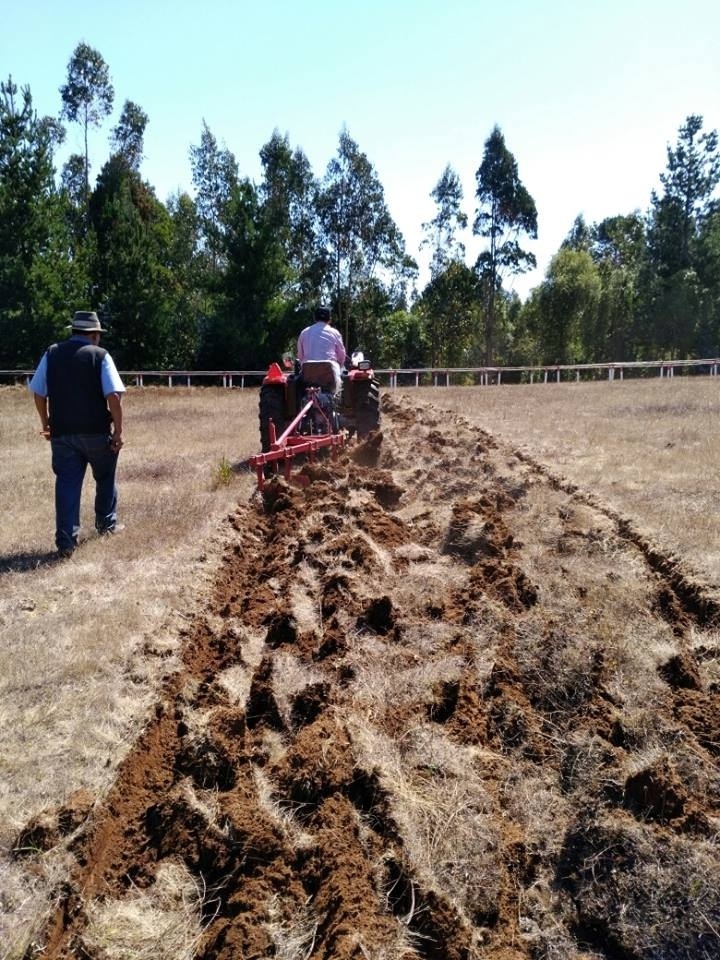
[[432, 376]]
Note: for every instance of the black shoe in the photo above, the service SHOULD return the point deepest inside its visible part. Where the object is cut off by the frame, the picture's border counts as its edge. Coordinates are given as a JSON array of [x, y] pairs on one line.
[[65, 552]]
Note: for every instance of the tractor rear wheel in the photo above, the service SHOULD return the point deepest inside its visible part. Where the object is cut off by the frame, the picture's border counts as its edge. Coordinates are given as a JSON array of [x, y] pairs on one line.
[[272, 407], [367, 412]]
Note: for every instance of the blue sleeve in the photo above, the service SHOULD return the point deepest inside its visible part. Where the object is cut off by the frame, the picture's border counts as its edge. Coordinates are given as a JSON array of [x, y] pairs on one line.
[[110, 378], [38, 384]]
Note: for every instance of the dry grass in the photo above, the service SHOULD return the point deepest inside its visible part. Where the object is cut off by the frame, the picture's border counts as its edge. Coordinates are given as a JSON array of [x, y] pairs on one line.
[[648, 447], [85, 640], [159, 924]]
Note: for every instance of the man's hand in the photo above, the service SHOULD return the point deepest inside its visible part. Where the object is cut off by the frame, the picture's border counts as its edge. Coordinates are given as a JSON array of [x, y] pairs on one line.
[[114, 401], [41, 405]]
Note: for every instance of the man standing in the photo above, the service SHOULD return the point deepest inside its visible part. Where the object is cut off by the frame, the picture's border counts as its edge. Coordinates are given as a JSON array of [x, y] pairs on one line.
[[78, 396], [320, 341]]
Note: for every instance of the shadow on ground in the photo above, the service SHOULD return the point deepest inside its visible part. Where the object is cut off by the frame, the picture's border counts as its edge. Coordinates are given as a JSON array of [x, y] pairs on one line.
[[28, 560]]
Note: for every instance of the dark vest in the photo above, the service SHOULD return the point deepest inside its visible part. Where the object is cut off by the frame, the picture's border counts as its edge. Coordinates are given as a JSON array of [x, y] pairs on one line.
[[74, 382]]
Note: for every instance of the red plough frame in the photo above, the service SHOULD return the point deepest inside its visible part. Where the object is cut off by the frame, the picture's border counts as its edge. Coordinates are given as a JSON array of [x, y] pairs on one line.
[[291, 444]]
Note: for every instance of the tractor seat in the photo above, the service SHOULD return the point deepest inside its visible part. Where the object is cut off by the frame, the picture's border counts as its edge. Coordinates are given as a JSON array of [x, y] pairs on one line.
[[318, 373]]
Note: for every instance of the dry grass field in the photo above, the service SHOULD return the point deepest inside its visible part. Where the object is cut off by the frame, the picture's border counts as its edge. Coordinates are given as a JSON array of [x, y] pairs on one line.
[[649, 447], [457, 699], [84, 641]]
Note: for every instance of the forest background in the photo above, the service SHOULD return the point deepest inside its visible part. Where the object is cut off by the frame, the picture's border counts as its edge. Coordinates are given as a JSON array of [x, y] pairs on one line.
[[225, 278]]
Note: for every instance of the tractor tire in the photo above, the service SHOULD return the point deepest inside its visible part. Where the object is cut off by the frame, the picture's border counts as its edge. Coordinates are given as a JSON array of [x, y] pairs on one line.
[[367, 409], [272, 407]]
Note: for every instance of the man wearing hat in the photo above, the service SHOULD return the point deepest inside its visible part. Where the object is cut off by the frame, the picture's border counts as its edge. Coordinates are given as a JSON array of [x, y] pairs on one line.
[[78, 396], [321, 341]]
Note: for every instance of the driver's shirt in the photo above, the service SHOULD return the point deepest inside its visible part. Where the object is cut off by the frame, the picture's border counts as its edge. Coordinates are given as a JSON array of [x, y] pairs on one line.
[[320, 341]]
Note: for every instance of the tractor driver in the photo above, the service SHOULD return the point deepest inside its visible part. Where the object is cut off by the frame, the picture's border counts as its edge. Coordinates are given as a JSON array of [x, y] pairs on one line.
[[321, 341]]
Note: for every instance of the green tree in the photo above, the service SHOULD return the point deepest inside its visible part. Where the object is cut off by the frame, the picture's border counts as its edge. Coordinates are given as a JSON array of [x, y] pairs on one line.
[[36, 280], [689, 181], [505, 211], [185, 276], [441, 232], [450, 307], [287, 192], [675, 302], [567, 308], [215, 177], [87, 96], [708, 270], [579, 237], [619, 250], [361, 242], [132, 232], [250, 325], [402, 341], [127, 137]]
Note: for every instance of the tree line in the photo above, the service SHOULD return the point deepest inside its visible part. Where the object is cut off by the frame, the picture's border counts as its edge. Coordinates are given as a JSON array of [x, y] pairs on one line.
[[226, 278]]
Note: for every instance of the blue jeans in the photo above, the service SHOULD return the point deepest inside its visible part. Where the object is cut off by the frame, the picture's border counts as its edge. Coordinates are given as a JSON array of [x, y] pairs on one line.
[[71, 455]]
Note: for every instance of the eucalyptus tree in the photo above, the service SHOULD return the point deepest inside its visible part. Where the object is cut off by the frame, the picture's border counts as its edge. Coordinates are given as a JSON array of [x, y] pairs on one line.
[[360, 240], [215, 177], [185, 276], [251, 324], [287, 193], [580, 235], [87, 96], [128, 135], [441, 233], [504, 213]]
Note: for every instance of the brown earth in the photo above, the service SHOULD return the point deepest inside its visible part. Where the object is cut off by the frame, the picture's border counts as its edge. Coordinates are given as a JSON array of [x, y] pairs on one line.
[[443, 705]]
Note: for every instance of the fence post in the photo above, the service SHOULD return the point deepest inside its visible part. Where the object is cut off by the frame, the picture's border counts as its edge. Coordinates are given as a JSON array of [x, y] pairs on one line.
[[417, 379]]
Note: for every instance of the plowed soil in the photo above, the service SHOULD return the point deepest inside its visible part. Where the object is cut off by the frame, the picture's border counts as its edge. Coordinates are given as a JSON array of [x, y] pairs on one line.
[[442, 705]]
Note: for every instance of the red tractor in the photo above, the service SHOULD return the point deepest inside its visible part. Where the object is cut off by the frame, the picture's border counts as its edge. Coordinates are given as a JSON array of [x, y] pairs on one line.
[[300, 412]]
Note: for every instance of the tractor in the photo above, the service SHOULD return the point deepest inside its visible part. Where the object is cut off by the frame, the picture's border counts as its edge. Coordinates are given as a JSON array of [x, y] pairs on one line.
[[300, 412]]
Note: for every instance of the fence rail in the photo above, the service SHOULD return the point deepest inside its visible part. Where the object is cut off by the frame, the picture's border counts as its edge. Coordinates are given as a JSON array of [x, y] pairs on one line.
[[432, 376]]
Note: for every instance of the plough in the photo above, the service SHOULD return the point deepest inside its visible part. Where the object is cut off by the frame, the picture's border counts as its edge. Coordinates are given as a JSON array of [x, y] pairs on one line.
[[291, 443], [301, 413]]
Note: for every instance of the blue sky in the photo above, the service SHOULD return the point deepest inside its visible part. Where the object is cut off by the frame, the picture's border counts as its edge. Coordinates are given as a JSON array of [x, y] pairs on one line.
[[588, 94]]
